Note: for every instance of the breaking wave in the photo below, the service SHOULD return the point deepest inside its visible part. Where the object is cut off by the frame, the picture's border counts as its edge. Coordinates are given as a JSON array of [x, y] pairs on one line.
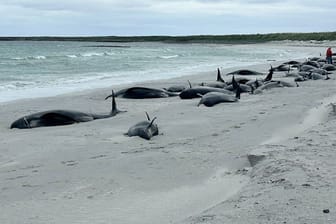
[[169, 56], [38, 57]]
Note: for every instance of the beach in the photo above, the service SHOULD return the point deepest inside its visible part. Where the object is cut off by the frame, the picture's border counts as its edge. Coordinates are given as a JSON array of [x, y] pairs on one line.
[[197, 170]]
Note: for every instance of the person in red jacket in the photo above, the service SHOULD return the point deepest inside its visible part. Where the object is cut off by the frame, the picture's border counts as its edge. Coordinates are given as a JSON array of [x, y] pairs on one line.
[[329, 56]]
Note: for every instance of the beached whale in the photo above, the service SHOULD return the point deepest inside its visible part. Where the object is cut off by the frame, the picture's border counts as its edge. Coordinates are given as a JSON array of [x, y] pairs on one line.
[[329, 67], [268, 86], [61, 117], [320, 71], [255, 83], [312, 63], [219, 83], [243, 88], [306, 68], [240, 80], [143, 93], [144, 129], [292, 63], [214, 84], [195, 92], [316, 76], [213, 98], [244, 72], [282, 68], [175, 88]]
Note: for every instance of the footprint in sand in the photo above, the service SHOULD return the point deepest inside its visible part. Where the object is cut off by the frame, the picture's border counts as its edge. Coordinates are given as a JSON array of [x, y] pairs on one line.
[[70, 163], [97, 157], [17, 177]]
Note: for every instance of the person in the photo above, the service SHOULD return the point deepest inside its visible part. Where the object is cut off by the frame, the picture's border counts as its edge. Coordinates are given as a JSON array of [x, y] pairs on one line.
[[329, 56]]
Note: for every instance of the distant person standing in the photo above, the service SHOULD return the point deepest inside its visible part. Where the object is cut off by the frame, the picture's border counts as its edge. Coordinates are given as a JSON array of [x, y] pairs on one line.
[[329, 56]]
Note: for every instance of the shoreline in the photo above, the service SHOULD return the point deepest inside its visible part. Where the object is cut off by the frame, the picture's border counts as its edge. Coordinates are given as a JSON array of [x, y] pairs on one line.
[[90, 172], [101, 79], [171, 80]]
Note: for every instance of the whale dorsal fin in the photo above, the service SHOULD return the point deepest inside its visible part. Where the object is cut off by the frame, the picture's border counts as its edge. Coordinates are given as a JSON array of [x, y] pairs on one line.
[[114, 109], [151, 123], [219, 77], [114, 105], [234, 83], [189, 84], [148, 118], [269, 75]]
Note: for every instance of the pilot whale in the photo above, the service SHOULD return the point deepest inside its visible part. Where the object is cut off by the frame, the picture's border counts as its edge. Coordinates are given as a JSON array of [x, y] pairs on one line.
[[144, 129], [61, 117], [143, 93]]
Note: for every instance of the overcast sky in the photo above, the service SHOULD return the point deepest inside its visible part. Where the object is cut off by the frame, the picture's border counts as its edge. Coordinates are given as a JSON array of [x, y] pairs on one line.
[[163, 17]]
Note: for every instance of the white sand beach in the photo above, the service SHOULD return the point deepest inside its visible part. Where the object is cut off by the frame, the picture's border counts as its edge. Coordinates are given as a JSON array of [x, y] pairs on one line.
[[195, 171]]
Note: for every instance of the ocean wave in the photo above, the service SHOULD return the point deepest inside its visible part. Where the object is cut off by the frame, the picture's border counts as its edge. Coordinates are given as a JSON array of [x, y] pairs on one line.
[[92, 54], [109, 53], [169, 56], [17, 58], [38, 57], [16, 85], [42, 57], [96, 54], [71, 56]]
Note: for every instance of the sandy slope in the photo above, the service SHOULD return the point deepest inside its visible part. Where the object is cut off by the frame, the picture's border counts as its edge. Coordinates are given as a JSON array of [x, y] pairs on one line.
[[294, 183], [197, 167]]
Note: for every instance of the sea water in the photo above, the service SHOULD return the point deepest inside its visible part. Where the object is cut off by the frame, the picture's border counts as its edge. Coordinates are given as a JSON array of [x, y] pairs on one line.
[[30, 69]]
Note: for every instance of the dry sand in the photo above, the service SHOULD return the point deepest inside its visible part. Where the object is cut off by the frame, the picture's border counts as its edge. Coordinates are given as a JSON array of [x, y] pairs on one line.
[[196, 171]]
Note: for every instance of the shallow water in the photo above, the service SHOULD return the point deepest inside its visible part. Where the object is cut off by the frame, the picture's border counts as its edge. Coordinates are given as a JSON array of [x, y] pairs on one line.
[[33, 69]]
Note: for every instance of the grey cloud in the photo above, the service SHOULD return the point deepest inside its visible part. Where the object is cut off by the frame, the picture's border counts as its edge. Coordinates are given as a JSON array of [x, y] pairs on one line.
[[171, 17]]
